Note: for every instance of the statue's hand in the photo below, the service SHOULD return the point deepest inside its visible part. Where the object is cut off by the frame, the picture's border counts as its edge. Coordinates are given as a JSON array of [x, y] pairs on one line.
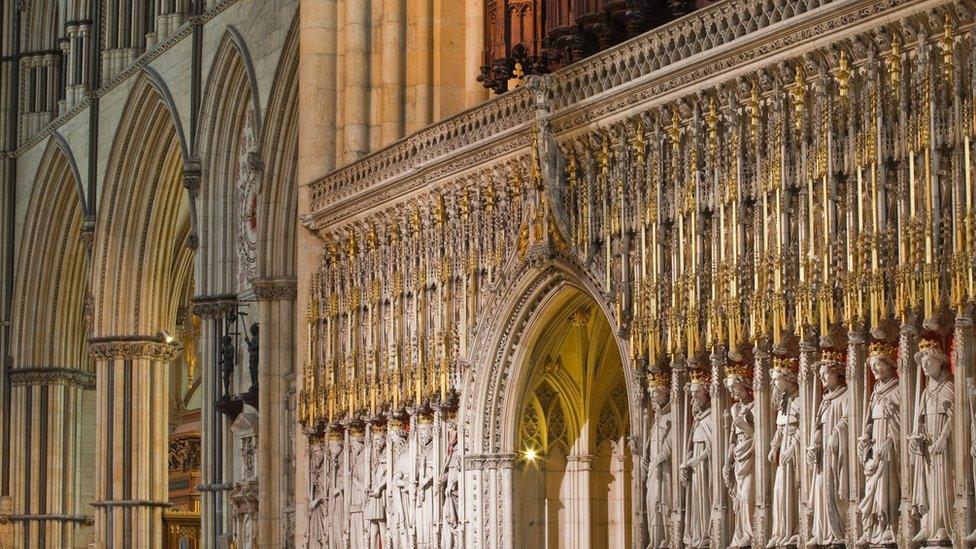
[[972, 450], [939, 446], [884, 453], [813, 455], [685, 474], [772, 455]]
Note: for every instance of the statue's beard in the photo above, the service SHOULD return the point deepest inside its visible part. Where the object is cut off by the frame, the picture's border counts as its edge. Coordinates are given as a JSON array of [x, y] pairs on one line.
[[698, 407]]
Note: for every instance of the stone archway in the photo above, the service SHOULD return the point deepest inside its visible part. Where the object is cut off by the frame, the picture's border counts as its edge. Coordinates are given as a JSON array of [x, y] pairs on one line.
[[571, 484], [495, 392]]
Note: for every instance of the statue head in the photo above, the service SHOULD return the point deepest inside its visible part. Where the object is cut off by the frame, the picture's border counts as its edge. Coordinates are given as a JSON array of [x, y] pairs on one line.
[[738, 379], [424, 431], [659, 389], [379, 438], [832, 369], [335, 443], [931, 358], [226, 340], [881, 360], [784, 374], [699, 387], [254, 329]]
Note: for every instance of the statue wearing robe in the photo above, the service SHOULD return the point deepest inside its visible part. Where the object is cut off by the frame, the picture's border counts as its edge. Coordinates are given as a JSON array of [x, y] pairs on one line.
[[450, 512], [696, 476], [740, 467], [828, 456], [317, 519], [657, 464], [375, 510], [401, 510], [336, 535], [426, 502], [931, 447], [784, 455], [878, 450], [357, 492]]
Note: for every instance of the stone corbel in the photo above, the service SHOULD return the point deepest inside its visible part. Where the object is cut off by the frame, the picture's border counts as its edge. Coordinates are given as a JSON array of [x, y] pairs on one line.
[[191, 182]]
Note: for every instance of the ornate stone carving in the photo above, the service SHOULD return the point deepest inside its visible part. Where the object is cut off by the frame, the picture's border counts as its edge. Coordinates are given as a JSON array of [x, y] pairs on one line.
[[51, 376], [131, 349], [275, 289]]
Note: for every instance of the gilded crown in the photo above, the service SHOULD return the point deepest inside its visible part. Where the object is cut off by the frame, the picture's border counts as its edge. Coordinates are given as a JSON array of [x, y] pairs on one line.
[[883, 350], [657, 380], [786, 364], [738, 369], [335, 435], [701, 377], [425, 419], [833, 356], [929, 344]]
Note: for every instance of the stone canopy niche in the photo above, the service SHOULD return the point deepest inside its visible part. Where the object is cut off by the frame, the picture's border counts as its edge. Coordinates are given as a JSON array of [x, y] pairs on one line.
[[524, 37]]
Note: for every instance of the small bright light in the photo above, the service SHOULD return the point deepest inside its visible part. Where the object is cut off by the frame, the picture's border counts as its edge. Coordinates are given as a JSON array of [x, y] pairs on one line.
[[530, 454], [165, 336]]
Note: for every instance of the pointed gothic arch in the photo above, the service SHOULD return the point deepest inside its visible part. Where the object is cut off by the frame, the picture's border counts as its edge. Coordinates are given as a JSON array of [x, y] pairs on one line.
[[49, 297], [137, 249], [277, 209], [52, 374], [229, 141]]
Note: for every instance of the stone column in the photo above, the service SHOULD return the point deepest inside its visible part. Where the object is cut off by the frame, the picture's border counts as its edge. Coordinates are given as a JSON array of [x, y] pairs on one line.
[[51, 482], [393, 70], [132, 482], [474, 45], [213, 482], [807, 382], [765, 417], [316, 157], [908, 372], [356, 92], [965, 372], [276, 301], [420, 39], [857, 354], [721, 404]]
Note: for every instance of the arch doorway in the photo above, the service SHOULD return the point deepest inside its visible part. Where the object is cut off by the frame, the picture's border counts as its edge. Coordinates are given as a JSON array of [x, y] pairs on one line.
[[573, 486]]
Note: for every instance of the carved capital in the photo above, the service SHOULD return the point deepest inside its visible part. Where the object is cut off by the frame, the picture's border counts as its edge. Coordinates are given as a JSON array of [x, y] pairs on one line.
[[275, 289], [52, 376], [135, 348], [213, 306]]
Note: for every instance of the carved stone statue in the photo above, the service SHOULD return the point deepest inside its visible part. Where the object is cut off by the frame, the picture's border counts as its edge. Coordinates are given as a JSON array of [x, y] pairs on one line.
[[401, 510], [450, 511], [931, 447], [336, 534], [878, 451], [253, 355], [827, 455], [228, 355], [357, 489], [784, 455], [426, 503], [739, 470], [657, 463], [375, 511], [696, 468], [316, 509]]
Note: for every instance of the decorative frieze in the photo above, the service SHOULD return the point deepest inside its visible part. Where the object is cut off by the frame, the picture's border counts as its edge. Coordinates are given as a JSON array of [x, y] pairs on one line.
[[275, 289], [131, 349], [52, 376]]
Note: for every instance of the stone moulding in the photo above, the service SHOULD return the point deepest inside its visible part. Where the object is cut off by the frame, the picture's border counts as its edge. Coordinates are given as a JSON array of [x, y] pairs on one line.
[[275, 289], [143, 348], [614, 81], [52, 376]]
